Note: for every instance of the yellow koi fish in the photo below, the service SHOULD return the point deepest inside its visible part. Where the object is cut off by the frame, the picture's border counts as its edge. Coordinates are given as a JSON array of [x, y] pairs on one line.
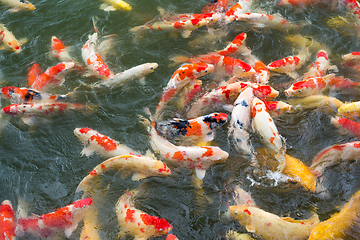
[[8, 40], [18, 5], [113, 5]]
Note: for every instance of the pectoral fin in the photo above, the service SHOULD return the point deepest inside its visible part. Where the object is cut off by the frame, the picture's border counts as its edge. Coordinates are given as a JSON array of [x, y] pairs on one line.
[[87, 151], [186, 33], [200, 173], [107, 7]]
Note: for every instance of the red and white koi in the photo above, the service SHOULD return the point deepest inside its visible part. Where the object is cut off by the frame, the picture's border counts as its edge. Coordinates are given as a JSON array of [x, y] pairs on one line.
[[242, 6], [352, 57], [54, 75], [171, 237], [61, 52], [346, 125], [7, 221], [219, 6], [9, 41], [236, 46], [192, 130], [140, 166], [100, 144], [354, 7], [298, 3], [65, 219], [333, 155], [290, 64], [137, 72], [270, 226], [113, 5], [277, 108], [320, 67], [262, 75], [93, 60], [137, 223], [264, 125], [197, 158], [18, 5]]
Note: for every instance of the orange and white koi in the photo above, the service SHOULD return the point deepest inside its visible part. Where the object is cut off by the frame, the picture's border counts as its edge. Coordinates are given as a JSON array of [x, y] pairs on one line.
[[113, 5], [93, 60], [137, 72], [346, 125], [264, 125], [333, 154], [262, 75], [240, 123], [351, 109], [100, 144], [59, 50], [277, 108], [315, 101], [219, 6], [33, 72], [236, 46], [140, 166], [198, 158], [137, 223], [65, 219], [7, 221], [9, 41], [54, 75], [242, 6], [270, 226], [353, 57], [339, 223], [24, 95], [320, 66], [192, 130], [184, 22], [290, 64], [318, 85], [18, 5]]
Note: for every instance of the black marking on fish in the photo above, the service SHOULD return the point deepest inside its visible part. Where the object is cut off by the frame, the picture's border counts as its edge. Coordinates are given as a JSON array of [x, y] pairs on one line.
[[214, 122], [240, 124], [242, 103], [174, 128]]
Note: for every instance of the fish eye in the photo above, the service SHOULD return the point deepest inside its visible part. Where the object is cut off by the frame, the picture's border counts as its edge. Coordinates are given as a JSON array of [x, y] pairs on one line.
[[151, 68], [206, 71], [299, 91]]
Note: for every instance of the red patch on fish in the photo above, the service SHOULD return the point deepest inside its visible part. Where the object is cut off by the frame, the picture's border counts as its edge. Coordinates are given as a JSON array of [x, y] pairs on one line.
[[107, 143], [209, 152], [130, 215], [160, 224], [84, 130]]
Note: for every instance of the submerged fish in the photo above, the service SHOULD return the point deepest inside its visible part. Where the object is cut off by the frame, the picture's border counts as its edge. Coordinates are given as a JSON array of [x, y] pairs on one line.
[[113, 5], [351, 109], [320, 67], [18, 5], [346, 125], [7, 221], [8, 40]]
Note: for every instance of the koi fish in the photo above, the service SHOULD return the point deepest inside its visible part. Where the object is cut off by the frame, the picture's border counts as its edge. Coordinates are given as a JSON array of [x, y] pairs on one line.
[[8, 40], [346, 126], [352, 57], [7, 221], [242, 6], [54, 75], [315, 101], [104, 146], [264, 125], [290, 64], [18, 5], [194, 130], [33, 72], [141, 166], [113, 5], [136, 222], [24, 95], [198, 158], [65, 219], [332, 155], [171, 237], [320, 67], [233, 235], [91, 224], [219, 6], [242, 197], [337, 225], [226, 95], [184, 22], [262, 75], [93, 60], [298, 3], [299, 172], [349, 109], [277, 108], [236, 46], [61, 52], [270, 226], [354, 7], [136, 72]]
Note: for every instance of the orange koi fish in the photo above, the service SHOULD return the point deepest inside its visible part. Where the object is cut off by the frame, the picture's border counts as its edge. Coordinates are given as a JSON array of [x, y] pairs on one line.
[[54, 75], [262, 75], [217, 6], [9, 41], [270, 226], [18, 5], [33, 72], [7, 221], [236, 46], [104, 146], [346, 126], [277, 108], [65, 219], [59, 50], [333, 154], [194, 130], [320, 67], [242, 6], [290, 64], [24, 95], [337, 225], [141, 166], [137, 223], [352, 57], [197, 158], [263, 124]]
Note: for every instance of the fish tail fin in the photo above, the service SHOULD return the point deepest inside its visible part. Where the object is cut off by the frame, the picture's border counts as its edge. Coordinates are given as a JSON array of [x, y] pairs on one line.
[[146, 122], [178, 59]]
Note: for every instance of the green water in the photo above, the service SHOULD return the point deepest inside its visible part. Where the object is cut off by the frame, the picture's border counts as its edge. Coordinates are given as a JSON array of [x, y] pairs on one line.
[[44, 166]]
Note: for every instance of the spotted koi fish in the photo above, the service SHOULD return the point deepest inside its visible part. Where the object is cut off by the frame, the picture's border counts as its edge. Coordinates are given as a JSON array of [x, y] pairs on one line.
[[236, 46], [65, 219], [320, 67], [53, 76], [349, 109], [185, 23], [95, 64], [141, 166], [218, 6], [277, 108], [137, 223], [318, 85], [262, 75], [242, 6], [24, 95], [113, 5], [290, 64], [352, 57], [346, 125], [18, 5], [7, 221], [270, 226], [226, 95], [333, 154], [264, 125], [137, 72], [104, 146], [197, 158], [194, 130], [339, 223], [9, 41]]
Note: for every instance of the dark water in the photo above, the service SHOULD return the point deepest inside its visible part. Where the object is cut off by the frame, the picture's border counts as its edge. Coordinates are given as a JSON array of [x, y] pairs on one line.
[[44, 166]]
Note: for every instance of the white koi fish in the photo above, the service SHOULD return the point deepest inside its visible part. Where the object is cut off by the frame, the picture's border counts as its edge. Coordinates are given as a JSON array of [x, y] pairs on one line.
[[140, 166], [242, 197], [137, 223], [113, 5], [198, 158], [104, 146], [264, 125], [270, 226], [18, 5], [8, 40]]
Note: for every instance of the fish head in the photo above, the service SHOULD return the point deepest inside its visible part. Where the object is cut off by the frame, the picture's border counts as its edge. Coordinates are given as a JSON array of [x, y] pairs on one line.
[[215, 120], [150, 67], [199, 69], [241, 213], [14, 46], [299, 89], [8, 91], [121, 5], [27, 5], [265, 91], [278, 107], [11, 109], [161, 226], [243, 69], [214, 154], [160, 169], [353, 56], [83, 134]]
